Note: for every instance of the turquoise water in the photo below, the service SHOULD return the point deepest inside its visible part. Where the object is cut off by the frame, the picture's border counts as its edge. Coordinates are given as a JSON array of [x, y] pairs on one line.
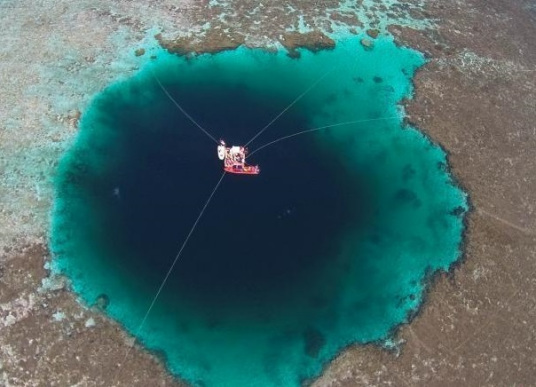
[[330, 245]]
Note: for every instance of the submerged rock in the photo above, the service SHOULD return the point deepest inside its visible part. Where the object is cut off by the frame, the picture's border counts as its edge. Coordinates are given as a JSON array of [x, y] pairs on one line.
[[367, 43], [313, 41], [373, 33]]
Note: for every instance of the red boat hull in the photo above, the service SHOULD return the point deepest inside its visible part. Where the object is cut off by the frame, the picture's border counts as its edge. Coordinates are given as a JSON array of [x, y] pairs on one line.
[[242, 170]]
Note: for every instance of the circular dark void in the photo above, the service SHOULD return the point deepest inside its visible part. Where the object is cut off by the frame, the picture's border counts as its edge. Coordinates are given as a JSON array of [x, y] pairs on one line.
[[261, 238], [327, 247]]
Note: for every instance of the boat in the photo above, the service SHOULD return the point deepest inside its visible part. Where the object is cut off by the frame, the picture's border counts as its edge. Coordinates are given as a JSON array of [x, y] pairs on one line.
[[234, 160]]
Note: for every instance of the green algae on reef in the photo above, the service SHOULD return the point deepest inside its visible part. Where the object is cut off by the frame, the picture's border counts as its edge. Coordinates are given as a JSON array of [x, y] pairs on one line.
[[329, 246]]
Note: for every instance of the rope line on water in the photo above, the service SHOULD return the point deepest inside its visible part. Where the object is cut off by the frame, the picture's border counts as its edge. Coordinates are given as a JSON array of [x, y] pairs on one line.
[[153, 302], [298, 98], [291, 104], [319, 128], [184, 111]]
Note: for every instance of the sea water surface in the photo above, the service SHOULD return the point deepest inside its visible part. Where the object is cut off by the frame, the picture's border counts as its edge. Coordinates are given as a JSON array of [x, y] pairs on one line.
[[329, 246]]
